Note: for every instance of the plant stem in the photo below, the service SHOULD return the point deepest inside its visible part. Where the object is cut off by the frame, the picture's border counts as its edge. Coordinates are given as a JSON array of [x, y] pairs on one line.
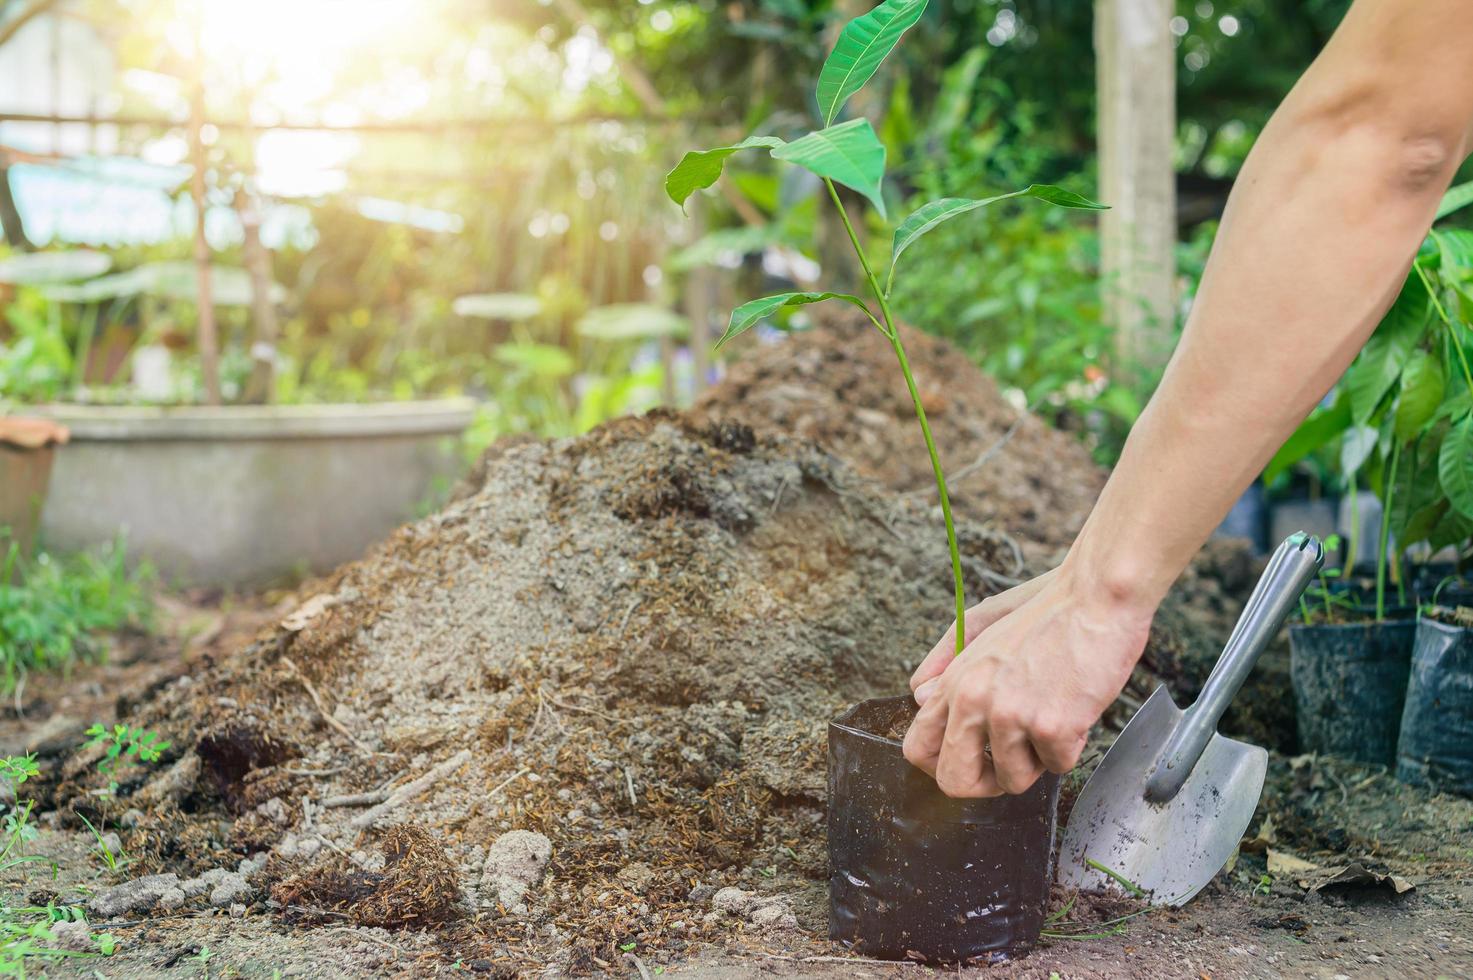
[[1385, 534], [915, 396], [1452, 328]]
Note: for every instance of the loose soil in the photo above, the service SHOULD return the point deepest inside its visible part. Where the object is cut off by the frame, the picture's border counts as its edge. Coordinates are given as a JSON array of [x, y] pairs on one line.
[[629, 643]]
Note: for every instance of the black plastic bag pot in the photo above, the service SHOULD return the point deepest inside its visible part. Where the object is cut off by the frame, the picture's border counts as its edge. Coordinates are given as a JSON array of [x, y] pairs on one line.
[[1350, 682], [914, 874], [1437, 722]]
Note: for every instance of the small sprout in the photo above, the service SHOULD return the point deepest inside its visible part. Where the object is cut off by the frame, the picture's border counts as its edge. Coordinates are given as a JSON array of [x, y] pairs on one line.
[[850, 153], [628, 947]]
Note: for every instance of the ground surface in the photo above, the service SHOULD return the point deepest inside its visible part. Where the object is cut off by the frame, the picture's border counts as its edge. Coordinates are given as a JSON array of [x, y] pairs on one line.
[[628, 643]]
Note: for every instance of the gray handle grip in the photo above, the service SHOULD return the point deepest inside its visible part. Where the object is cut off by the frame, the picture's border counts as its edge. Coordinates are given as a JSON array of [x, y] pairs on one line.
[[1293, 565]]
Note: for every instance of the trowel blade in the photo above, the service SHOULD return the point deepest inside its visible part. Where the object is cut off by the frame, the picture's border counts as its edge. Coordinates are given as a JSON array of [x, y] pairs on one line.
[[1170, 850]]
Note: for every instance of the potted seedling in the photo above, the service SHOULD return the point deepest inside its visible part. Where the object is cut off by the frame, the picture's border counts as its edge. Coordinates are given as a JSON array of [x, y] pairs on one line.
[[1402, 417], [912, 872], [1436, 741]]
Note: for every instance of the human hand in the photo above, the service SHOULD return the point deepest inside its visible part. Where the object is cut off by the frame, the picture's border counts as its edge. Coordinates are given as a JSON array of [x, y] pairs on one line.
[[1048, 657]]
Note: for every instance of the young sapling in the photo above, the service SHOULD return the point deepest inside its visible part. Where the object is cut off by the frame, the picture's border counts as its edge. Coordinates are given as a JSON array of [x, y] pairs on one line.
[[849, 153]]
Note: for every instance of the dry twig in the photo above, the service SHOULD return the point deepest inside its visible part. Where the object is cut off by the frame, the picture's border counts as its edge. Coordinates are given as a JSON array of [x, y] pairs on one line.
[[321, 710], [410, 790]]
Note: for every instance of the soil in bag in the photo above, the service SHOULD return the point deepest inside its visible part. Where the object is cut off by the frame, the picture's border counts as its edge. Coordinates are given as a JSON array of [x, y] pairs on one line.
[[1350, 682], [1437, 723], [914, 874]]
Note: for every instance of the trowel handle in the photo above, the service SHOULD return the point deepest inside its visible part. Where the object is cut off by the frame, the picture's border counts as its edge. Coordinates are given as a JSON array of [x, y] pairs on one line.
[[1293, 564]]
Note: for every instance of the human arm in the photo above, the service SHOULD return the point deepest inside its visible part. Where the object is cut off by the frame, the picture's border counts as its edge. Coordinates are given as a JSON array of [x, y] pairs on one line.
[[1318, 233]]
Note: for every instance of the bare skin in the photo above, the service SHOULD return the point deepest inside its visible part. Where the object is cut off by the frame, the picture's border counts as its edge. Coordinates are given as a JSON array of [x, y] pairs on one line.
[[1316, 240]]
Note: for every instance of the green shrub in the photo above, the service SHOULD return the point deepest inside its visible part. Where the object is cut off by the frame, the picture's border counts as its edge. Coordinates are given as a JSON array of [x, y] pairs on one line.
[[52, 609]]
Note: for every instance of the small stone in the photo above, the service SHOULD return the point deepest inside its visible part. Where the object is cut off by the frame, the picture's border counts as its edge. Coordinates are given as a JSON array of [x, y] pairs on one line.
[[309, 846], [72, 936], [172, 899], [238, 910], [232, 889], [733, 901], [131, 818], [111, 843], [774, 916], [516, 862], [138, 895], [636, 877], [276, 811], [701, 893]]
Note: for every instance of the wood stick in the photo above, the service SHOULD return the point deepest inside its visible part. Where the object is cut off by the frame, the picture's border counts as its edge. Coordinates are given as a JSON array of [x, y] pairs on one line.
[[410, 790], [317, 700]]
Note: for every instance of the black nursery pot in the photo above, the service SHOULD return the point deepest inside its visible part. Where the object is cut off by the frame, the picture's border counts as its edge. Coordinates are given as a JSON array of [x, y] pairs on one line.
[[1437, 722], [914, 874], [1350, 681]]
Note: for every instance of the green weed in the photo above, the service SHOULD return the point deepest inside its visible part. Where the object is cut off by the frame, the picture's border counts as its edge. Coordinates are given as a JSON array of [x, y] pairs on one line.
[[52, 610]]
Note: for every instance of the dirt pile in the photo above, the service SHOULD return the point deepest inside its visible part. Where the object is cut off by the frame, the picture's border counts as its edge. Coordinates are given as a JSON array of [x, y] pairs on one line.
[[628, 642], [838, 385]]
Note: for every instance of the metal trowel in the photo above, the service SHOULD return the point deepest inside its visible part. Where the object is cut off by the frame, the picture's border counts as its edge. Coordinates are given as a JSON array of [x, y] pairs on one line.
[[1172, 798]]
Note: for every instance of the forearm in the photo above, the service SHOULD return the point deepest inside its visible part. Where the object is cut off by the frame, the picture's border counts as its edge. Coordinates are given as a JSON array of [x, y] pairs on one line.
[[1314, 245]]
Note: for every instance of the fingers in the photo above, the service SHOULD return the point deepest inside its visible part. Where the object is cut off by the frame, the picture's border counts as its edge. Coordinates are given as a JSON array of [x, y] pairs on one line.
[[978, 619], [923, 739], [1015, 766], [963, 769], [1058, 749]]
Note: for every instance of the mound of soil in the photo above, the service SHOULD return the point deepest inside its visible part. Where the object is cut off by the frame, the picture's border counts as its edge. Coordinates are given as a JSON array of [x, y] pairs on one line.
[[838, 385], [629, 642]]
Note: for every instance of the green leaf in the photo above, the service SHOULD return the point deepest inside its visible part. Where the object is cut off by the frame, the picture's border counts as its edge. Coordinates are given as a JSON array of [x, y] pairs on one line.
[[630, 321], [863, 44], [1359, 443], [849, 153], [930, 215], [1454, 528], [541, 360], [1422, 386], [1421, 525], [1455, 199], [699, 168], [1455, 247], [1455, 466], [1322, 425], [742, 240], [1385, 355], [750, 312], [497, 306]]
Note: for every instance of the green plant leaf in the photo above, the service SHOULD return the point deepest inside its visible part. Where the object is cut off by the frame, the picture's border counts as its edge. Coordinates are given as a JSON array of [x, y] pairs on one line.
[[1359, 443], [1385, 355], [1455, 466], [1455, 199], [750, 312], [1454, 528], [1455, 247], [699, 169], [849, 153], [1422, 387], [930, 215], [497, 306], [1421, 525], [1322, 425], [863, 44], [630, 321]]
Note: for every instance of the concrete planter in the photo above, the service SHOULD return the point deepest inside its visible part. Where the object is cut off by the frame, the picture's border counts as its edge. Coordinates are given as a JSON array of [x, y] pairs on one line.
[[245, 495]]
